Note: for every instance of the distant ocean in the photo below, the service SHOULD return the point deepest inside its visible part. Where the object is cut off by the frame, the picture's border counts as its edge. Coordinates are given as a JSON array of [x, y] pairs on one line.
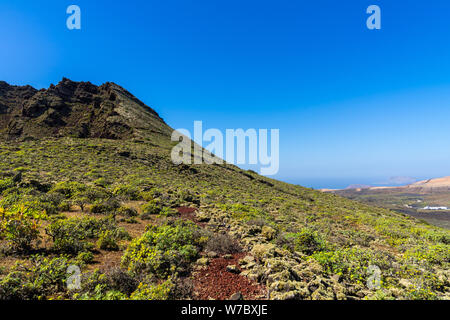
[[333, 183]]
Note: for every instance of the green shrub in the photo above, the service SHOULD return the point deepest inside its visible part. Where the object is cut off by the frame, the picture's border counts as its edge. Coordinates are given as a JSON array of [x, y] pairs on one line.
[[94, 193], [102, 182], [244, 212], [43, 277], [116, 284], [107, 241], [81, 201], [150, 194], [109, 295], [64, 206], [68, 188], [160, 291], [163, 250], [85, 257], [105, 206], [419, 293], [306, 241], [438, 236], [127, 191], [6, 184], [168, 212], [73, 235], [151, 208], [51, 202], [127, 212], [10, 197], [188, 196], [350, 263], [438, 254], [19, 225], [101, 292], [131, 220]]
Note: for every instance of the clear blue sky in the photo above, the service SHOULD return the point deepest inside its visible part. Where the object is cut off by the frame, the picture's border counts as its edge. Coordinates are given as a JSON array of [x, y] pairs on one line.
[[352, 105]]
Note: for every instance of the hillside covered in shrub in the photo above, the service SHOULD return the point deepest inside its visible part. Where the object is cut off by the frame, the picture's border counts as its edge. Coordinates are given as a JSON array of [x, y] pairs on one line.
[[87, 185]]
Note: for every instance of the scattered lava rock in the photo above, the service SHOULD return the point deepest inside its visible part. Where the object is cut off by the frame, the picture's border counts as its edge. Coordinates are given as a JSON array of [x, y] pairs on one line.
[[215, 282], [233, 269], [236, 296], [188, 213]]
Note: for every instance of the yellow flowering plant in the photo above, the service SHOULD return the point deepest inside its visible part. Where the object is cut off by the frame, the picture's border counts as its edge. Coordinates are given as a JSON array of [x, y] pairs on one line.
[[19, 225]]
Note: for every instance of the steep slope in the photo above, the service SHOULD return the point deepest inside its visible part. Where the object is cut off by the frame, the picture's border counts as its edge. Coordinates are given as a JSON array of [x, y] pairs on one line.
[[156, 230]]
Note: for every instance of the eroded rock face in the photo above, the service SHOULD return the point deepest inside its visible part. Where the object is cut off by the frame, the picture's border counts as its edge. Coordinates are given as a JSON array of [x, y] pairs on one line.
[[76, 109]]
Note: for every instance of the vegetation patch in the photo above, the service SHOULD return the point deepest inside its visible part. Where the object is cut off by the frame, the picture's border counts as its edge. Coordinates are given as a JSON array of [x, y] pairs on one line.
[[74, 235], [163, 250]]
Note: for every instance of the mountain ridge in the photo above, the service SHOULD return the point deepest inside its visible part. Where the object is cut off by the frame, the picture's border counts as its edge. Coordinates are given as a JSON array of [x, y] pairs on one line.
[[77, 109]]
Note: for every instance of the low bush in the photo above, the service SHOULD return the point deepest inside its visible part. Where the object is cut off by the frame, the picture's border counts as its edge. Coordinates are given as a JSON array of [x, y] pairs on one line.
[[68, 188], [163, 250], [35, 280], [188, 196], [151, 194], [64, 206], [150, 208], [160, 291], [167, 212], [244, 212], [107, 241], [306, 241], [438, 254], [115, 284], [52, 203], [127, 212], [222, 244], [108, 206], [19, 225], [123, 281], [6, 184], [85, 257], [102, 182], [127, 192], [73, 235], [350, 263]]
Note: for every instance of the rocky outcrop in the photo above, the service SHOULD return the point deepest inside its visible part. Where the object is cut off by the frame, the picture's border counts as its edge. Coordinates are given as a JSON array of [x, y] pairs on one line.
[[76, 109]]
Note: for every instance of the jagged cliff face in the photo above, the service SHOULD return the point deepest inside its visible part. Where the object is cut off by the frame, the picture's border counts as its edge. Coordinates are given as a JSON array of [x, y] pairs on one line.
[[76, 109]]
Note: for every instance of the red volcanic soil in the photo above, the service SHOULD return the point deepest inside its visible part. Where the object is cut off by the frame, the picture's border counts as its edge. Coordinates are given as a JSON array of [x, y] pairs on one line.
[[215, 282], [186, 210], [189, 214]]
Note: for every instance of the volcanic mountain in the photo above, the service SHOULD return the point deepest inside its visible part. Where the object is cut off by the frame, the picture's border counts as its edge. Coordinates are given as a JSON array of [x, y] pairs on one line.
[[77, 109], [87, 180]]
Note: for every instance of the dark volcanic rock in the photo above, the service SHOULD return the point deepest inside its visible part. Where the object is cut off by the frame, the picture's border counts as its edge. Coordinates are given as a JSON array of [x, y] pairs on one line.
[[76, 109]]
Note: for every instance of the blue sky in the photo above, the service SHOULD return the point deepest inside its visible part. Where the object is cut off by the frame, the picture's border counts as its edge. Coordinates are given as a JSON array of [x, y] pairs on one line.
[[353, 105]]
